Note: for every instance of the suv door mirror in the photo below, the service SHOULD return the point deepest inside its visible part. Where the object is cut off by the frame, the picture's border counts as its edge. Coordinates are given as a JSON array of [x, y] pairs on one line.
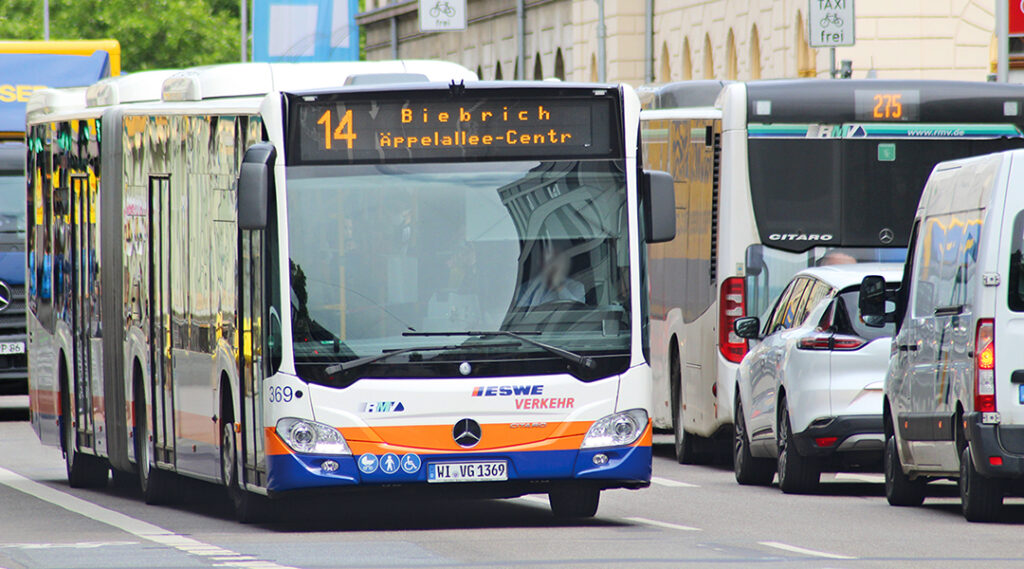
[[255, 185], [748, 327], [659, 197], [871, 302]]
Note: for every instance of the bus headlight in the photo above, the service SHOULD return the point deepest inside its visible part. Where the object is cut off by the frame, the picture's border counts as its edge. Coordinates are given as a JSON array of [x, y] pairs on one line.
[[306, 436], [618, 429]]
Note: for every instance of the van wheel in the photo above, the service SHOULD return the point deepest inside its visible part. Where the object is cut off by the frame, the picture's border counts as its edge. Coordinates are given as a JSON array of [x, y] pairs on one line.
[[158, 486], [686, 452], [900, 490], [981, 498], [749, 469], [574, 502], [798, 474], [84, 470]]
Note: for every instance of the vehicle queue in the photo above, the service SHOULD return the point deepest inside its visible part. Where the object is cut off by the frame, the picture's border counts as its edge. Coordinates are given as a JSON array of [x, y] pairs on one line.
[[791, 225]]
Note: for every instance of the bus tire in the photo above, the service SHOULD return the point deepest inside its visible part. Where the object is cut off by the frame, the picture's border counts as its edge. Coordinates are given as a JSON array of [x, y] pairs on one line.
[[900, 490], [685, 442], [574, 502], [749, 469], [798, 474], [981, 498], [249, 508], [157, 486], [84, 470]]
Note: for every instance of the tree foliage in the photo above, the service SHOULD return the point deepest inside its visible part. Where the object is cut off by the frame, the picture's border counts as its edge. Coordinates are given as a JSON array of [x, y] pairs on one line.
[[154, 34]]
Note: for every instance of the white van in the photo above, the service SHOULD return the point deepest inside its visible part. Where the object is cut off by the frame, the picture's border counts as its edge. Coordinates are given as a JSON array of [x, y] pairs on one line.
[[954, 393]]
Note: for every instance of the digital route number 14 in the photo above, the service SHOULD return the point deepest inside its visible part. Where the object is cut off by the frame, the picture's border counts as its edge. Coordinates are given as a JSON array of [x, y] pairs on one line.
[[342, 132]]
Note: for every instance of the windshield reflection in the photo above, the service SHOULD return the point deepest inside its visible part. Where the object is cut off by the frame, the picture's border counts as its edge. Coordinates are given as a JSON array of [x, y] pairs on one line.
[[529, 247]]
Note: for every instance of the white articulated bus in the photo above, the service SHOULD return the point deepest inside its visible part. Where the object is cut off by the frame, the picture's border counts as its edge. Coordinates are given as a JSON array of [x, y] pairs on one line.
[[307, 277], [775, 176]]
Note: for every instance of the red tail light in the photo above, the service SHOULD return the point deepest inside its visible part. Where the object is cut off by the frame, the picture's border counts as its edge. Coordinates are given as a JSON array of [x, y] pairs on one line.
[[985, 366], [825, 442], [825, 341], [731, 305]]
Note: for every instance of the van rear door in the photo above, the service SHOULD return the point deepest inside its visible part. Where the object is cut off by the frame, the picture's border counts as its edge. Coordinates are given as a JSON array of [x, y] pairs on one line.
[[1009, 303]]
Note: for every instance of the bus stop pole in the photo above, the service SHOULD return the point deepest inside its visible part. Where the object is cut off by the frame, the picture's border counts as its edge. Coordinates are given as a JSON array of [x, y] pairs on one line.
[[832, 62]]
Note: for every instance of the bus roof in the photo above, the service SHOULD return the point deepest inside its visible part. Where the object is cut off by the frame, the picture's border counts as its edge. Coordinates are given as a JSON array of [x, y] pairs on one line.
[[681, 94], [852, 100], [254, 79]]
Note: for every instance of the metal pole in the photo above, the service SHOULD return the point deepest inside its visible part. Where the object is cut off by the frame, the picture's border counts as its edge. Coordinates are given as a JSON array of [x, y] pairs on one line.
[[1002, 33], [243, 18], [394, 38], [832, 62], [649, 42], [46, 19], [601, 55], [521, 39]]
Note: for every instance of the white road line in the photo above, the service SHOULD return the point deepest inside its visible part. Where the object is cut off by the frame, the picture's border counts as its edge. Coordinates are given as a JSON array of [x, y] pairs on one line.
[[666, 525], [535, 500], [840, 476], [671, 483], [803, 551], [138, 528]]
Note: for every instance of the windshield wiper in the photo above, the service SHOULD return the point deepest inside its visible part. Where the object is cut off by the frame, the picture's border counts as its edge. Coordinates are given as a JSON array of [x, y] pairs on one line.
[[360, 362], [578, 359]]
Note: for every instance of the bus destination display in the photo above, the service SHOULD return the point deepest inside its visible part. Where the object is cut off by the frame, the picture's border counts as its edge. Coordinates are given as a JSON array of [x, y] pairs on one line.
[[886, 105], [451, 129]]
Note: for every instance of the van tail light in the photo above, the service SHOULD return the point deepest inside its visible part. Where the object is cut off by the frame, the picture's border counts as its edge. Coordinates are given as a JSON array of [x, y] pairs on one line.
[[731, 306], [831, 342], [985, 366]]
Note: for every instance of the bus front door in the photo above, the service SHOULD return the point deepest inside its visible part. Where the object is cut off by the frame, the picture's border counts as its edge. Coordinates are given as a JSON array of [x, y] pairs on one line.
[[162, 231], [251, 314]]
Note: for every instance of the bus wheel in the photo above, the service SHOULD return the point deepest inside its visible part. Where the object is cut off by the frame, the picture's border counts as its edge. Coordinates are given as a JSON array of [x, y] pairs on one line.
[[84, 470], [798, 474], [249, 507], [686, 452], [158, 486], [574, 502], [981, 498], [749, 469]]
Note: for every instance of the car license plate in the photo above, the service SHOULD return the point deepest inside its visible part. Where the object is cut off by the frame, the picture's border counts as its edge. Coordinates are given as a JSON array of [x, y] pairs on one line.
[[12, 348], [492, 471]]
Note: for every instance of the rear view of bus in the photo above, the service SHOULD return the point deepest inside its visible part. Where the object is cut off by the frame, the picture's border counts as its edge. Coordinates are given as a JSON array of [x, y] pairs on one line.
[[462, 300]]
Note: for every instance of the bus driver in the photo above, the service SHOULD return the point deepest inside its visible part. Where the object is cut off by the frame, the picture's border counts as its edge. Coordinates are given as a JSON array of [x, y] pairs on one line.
[[553, 284]]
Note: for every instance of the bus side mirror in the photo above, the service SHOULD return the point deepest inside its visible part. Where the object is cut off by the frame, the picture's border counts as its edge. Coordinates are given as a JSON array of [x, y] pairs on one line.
[[872, 301], [255, 182], [659, 197], [754, 260]]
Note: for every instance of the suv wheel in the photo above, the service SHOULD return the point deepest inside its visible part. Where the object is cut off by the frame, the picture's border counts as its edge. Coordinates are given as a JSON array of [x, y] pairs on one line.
[[749, 469], [797, 474]]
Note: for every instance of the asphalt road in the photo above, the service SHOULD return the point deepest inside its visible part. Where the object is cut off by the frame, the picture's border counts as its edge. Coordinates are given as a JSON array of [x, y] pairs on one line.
[[691, 516]]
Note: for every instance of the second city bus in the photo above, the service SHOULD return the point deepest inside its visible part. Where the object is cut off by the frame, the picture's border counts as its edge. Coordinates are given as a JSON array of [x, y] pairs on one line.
[[775, 176]]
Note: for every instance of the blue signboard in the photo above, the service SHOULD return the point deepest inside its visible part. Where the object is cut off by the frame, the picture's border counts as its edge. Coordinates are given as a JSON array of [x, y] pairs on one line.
[[305, 30], [23, 73]]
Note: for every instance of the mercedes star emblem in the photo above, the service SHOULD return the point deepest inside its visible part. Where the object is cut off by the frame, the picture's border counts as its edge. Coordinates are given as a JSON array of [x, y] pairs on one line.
[[5, 296], [466, 433], [886, 236]]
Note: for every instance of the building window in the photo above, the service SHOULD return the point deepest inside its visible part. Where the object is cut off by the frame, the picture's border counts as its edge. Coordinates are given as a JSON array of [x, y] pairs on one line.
[[593, 68], [709, 60], [497, 71], [538, 68], [559, 65], [666, 66], [755, 53], [805, 56], [730, 56], [687, 63]]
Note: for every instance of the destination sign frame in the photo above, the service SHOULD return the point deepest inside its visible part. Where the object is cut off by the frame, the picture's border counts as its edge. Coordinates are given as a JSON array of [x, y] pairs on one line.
[[439, 126]]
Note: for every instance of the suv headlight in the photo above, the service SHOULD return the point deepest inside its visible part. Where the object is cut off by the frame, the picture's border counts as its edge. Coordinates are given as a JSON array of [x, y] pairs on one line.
[[310, 437], [618, 429]]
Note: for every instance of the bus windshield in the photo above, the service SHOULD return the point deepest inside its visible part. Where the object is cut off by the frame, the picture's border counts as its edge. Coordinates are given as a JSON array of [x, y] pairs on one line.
[[12, 202], [377, 252]]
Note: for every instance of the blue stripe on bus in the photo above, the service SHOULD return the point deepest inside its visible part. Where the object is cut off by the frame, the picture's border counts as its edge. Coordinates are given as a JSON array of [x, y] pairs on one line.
[[296, 471]]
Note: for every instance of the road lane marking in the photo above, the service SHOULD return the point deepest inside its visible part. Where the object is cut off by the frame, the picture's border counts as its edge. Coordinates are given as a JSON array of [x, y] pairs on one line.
[[666, 525], [804, 551], [875, 478], [125, 523], [535, 500], [671, 483]]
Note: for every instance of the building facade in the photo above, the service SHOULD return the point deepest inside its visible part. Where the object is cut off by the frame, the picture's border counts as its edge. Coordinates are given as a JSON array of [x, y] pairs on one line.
[[670, 40]]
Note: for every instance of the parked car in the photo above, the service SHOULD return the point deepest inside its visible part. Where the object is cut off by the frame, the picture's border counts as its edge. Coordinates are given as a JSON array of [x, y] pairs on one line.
[[954, 392], [809, 394]]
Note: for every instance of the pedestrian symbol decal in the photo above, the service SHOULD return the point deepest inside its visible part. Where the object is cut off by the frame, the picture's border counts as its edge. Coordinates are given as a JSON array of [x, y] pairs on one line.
[[389, 463], [410, 463], [368, 463]]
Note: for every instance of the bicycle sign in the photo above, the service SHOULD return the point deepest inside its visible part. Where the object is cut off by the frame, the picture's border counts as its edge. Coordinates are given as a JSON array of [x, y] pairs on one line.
[[442, 15], [830, 23]]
